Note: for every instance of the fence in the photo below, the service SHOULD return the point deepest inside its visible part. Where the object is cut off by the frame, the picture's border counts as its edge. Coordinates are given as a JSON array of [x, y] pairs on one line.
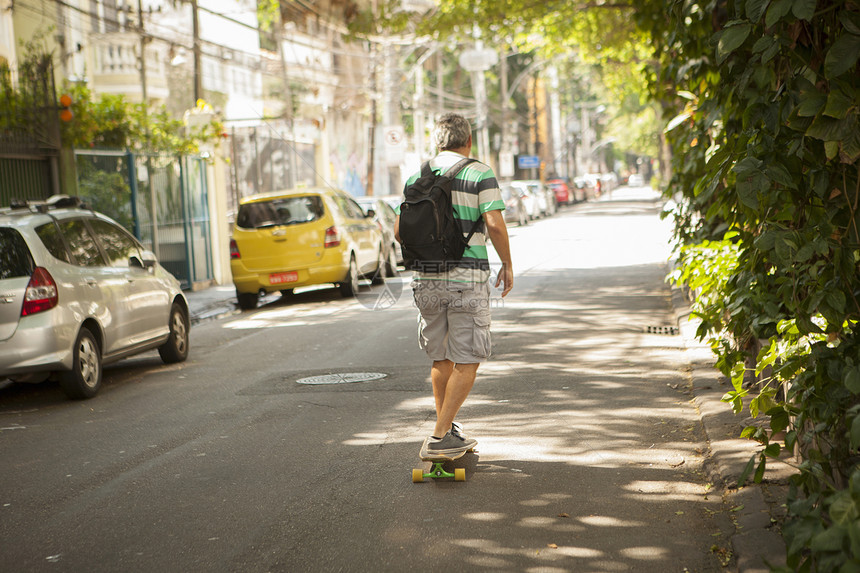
[[264, 159], [162, 199]]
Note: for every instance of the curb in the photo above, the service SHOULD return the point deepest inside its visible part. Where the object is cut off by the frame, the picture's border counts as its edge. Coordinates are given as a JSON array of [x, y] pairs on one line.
[[756, 509]]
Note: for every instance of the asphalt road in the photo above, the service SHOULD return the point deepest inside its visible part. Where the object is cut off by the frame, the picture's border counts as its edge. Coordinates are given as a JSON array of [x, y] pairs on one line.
[[589, 458]]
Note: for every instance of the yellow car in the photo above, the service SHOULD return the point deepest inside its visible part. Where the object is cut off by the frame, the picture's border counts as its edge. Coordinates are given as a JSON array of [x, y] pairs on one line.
[[290, 239]]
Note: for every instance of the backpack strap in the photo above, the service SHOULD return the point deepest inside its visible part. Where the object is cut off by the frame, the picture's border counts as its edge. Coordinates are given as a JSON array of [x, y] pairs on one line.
[[457, 167], [452, 173]]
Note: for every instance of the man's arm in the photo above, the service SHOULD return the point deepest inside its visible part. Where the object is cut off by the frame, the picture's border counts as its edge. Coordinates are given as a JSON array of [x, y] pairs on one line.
[[498, 233], [397, 228]]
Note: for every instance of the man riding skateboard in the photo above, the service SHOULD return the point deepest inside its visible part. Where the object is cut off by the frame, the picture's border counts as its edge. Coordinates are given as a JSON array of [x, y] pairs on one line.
[[454, 302]]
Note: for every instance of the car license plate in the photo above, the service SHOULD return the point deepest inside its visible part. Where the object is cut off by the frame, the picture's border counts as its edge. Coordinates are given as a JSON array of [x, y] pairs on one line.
[[279, 278]]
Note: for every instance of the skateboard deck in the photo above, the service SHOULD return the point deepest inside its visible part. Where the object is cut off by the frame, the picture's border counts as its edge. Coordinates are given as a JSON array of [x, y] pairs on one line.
[[437, 470]]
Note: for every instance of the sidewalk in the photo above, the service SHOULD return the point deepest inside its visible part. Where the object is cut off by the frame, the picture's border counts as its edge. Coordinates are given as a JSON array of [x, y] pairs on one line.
[[758, 509], [213, 302]]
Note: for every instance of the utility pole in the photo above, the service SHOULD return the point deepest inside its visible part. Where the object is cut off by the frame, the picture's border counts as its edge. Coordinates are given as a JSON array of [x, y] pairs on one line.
[[372, 130], [195, 28], [143, 94]]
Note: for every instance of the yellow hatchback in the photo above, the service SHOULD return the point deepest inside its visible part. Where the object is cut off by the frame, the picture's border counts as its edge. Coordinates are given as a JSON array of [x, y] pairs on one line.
[[290, 239]]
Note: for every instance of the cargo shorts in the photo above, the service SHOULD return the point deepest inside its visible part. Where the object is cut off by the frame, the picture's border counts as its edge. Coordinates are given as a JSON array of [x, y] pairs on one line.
[[453, 320]]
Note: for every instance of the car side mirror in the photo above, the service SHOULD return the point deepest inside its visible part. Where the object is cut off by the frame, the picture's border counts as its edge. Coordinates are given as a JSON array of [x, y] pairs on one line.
[[370, 214], [147, 260]]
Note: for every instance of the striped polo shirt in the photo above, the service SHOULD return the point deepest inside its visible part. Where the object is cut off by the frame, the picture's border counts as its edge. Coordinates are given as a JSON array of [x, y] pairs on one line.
[[474, 192]]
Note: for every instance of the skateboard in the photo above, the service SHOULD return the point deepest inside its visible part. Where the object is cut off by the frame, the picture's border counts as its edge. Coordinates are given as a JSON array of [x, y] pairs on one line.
[[438, 470]]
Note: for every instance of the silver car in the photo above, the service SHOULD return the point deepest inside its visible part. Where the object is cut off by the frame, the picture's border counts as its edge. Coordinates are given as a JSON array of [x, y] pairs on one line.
[[78, 291]]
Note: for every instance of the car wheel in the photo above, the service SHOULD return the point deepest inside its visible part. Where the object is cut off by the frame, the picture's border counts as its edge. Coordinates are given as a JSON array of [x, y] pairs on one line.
[[349, 286], [176, 347], [247, 300], [85, 377], [381, 271]]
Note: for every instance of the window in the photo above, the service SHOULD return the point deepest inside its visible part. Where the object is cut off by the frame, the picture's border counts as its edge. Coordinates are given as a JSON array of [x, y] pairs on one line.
[[51, 237], [84, 250], [15, 258], [286, 211], [349, 207], [116, 243]]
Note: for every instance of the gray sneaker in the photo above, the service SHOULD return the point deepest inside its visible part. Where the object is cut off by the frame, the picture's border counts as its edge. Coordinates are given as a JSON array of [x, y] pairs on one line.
[[457, 430], [450, 444]]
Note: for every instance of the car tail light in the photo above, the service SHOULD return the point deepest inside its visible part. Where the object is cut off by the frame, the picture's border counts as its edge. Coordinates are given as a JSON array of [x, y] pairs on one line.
[[234, 250], [41, 293], [332, 238]]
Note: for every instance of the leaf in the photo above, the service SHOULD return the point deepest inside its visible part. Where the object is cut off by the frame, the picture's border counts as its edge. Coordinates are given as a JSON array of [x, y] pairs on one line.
[[828, 540], [759, 472], [772, 450], [842, 55], [843, 509], [748, 432], [778, 420], [779, 174], [777, 11], [747, 194], [731, 39], [677, 120], [747, 166], [851, 21], [855, 432], [746, 471], [811, 104], [803, 9], [838, 105], [756, 8], [852, 380], [850, 146], [828, 129]]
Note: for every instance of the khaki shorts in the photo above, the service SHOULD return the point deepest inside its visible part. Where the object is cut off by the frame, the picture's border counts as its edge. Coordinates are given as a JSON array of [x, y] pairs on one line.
[[453, 320]]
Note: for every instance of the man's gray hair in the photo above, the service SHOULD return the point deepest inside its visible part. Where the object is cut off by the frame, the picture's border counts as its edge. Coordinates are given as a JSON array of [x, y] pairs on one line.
[[452, 131]]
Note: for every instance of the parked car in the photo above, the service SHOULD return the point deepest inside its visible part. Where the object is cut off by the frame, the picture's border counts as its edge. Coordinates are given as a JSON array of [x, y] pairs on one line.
[[290, 239], [635, 180], [383, 214], [563, 194], [544, 197], [77, 291], [515, 205], [584, 188]]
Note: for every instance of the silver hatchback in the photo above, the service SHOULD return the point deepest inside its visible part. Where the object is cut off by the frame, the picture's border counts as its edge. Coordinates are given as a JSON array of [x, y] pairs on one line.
[[78, 291]]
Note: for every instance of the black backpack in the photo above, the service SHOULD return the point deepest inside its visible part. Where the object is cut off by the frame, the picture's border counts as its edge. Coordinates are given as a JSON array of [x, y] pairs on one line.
[[432, 240]]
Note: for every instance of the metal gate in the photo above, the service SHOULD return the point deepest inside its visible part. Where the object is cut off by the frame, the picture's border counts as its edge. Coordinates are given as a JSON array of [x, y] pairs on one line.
[[161, 199], [29, 132]]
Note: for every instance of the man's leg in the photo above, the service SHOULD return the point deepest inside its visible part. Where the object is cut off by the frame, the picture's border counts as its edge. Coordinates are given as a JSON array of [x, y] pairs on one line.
[[451, 393], [439, 375]]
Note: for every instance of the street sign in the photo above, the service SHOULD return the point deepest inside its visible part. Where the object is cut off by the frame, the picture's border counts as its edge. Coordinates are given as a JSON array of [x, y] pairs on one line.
[[528, 161], [506, 164], [395, 144], [478, 60]]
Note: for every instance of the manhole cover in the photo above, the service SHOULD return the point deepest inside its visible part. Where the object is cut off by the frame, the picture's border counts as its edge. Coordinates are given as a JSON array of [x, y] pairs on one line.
[[345, 378], [667, 330]]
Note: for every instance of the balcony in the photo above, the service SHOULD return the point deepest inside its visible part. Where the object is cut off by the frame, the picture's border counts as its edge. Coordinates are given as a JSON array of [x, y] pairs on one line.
[[116, 67]]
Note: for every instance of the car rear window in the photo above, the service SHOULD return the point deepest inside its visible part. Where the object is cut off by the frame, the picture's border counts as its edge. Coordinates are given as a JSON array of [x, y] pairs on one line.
[[15, 257], [285, 211]]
